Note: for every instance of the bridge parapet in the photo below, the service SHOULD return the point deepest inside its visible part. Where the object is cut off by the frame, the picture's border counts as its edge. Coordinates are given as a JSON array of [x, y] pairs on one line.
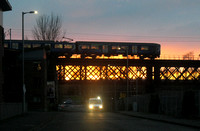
[[115, 69]]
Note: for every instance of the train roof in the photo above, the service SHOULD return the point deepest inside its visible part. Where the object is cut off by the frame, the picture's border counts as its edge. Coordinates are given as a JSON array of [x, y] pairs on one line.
[[87, 42], [38, 41], [28, 41], [104, 42]]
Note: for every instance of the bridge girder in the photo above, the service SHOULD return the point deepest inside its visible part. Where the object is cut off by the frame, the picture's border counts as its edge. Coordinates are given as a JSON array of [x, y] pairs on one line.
[[115, 69]]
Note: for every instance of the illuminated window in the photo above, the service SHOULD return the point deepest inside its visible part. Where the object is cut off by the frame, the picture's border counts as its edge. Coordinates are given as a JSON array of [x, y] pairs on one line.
[[124, 47], [36, 45], [96, 47], [5, 45], [134, 49], [85, 47], [144, 48], [15, 46], [67, 46], [115, 47], [59, 46], [27, 45]]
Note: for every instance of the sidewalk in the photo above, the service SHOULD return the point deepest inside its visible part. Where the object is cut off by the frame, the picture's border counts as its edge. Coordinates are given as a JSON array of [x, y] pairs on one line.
[[30, 121], [195, 123]]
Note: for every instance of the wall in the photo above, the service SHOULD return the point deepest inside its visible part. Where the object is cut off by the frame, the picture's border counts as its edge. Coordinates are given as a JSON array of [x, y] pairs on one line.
[[1, 18], [35, 70], [1, 55], [173, 101], [8, 110]]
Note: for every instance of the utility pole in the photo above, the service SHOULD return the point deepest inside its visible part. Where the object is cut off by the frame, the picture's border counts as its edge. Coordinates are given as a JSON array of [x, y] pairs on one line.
[[127, 76], [10, 37]]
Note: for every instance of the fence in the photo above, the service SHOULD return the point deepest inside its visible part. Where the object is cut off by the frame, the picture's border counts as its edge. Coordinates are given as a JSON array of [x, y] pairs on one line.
[[167, 102]]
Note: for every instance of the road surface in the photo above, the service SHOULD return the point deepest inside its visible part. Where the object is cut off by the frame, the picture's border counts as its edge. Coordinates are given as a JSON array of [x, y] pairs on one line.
[[106, 121]]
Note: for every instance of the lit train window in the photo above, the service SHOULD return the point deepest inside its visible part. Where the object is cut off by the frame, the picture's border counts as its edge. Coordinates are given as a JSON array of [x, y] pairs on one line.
[[5, 45], [36, 45], [58, 46], [124, 47], [115, 47], [95, 47], [15, 46], [27, 45], [67, 46], [144, 48], [134, 49], [85, 47]]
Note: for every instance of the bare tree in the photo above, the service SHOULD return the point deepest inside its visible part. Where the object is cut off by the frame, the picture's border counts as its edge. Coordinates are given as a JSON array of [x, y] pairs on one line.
[[48, 28], [189, 56]]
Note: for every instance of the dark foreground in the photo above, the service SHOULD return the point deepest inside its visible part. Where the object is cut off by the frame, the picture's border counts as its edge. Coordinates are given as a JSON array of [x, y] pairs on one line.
[[88, 121]]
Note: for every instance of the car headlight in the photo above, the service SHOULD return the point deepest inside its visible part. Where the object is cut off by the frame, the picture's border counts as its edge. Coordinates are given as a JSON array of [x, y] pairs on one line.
[[91, 106], [100, 106]]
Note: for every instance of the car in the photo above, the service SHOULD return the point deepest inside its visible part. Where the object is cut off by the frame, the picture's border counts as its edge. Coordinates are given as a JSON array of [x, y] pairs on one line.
[[66, 104], [95, 104]]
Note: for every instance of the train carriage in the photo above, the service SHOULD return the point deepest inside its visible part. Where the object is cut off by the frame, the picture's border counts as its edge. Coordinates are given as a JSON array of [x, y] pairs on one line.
[[28, 44], [58, 48], [63, 48], [142, 50], [91, 48], [146, 50]]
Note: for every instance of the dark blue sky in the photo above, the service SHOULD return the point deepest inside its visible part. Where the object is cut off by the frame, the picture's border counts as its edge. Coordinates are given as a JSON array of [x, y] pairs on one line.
[[175, 24]]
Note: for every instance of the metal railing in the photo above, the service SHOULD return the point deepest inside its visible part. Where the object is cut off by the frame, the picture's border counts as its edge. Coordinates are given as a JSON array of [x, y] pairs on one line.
[[178, 57]]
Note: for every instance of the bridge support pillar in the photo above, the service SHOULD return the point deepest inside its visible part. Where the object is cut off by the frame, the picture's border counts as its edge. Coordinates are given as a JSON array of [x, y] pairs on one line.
[[149, 83], [156, 73]]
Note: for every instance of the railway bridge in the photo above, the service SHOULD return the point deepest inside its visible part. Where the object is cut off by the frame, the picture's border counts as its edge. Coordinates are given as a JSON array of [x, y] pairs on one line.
[[117, 69], [145, 82]]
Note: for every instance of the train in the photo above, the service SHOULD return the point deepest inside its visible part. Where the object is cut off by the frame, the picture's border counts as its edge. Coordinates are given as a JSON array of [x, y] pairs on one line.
[[91, 48]]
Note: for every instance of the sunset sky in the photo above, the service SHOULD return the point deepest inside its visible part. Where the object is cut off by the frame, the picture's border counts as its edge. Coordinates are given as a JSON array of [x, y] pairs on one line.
[[175, 24]]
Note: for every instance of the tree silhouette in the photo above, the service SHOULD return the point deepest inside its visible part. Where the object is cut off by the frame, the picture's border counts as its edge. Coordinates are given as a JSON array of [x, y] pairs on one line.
[[189, 56], [48, 28]]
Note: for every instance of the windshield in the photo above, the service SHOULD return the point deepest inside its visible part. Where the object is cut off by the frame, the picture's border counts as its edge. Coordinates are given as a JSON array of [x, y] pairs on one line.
[[95, 101]]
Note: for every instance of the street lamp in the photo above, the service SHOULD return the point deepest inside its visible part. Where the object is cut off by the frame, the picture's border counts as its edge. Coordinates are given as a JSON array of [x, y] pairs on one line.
[[127, 75], [24, 89]]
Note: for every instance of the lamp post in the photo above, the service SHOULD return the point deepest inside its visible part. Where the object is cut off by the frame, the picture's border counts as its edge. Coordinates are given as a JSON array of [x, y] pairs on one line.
[[127, 75], [23, 84]]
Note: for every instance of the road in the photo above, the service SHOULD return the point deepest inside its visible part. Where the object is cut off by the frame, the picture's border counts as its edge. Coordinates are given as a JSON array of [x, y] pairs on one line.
[[106, 121]]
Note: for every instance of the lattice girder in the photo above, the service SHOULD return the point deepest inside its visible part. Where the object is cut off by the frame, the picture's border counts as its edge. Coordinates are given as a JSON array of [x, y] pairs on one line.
[[72, 72], [179, 73]]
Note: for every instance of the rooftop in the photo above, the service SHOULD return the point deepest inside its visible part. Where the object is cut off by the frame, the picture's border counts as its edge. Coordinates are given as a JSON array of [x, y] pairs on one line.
[[5, 5]]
